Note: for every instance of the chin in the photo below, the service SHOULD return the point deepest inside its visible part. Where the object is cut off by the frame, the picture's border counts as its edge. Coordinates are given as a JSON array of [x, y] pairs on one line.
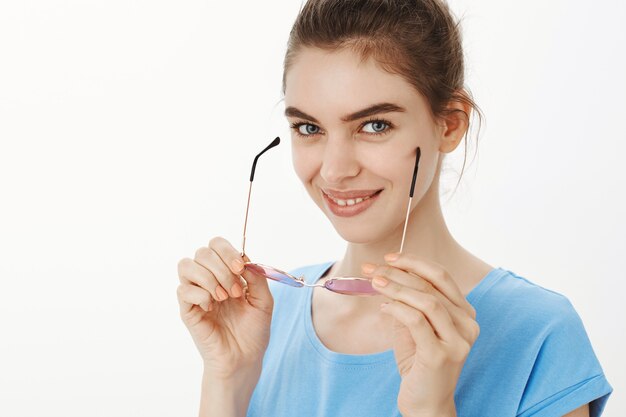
[[355, 231], [358, 237]]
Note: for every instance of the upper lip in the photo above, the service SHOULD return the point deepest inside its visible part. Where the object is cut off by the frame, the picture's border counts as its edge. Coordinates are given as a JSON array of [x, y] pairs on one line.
[[349, 194]]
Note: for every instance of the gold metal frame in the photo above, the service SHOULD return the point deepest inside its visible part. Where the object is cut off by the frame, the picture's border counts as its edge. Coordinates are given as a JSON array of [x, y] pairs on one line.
[[300, 280]]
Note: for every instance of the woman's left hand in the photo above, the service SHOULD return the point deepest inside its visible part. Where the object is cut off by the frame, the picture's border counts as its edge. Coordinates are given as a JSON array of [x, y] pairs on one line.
[[434, 329]]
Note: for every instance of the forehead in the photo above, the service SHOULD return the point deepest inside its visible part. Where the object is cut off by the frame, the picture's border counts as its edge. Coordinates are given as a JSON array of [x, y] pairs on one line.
[[338, 81]]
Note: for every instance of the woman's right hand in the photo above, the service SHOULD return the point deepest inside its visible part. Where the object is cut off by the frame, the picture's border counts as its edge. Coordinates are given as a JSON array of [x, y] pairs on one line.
[[230, 333]]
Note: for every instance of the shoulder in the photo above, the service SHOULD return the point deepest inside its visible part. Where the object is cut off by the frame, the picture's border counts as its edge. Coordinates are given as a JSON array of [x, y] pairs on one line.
[[523, 319], [525, 303], [542, 330]]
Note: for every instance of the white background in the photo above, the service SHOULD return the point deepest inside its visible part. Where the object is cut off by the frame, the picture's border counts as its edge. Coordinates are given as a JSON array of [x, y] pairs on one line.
[[127, 132]]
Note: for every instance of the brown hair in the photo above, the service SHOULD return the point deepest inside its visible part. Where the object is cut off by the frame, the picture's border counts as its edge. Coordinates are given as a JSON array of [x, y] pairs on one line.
[[416, 39]]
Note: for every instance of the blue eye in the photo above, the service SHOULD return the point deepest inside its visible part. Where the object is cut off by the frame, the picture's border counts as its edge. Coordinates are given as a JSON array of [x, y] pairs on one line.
[[308, 130], [377, 125], [380, 127], [305, 129]]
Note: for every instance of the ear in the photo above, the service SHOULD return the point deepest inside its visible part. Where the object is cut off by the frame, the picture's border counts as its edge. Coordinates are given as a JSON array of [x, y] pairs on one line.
[[453, 126]]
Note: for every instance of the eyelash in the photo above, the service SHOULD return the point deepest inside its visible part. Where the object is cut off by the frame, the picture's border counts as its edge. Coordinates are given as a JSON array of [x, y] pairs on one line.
[[390, 126]]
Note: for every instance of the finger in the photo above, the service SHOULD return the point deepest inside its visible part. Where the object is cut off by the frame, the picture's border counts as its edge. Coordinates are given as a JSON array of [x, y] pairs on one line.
[[190, 272], [257, 290], [231, 262], [421, 330], [224, 278], [227, 252], [190, 295], [459, 316], [427, 304], [437, 275]]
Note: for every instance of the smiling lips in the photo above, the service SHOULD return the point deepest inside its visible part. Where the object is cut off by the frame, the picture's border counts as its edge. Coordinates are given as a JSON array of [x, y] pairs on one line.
[[351, 206], [348, 195]]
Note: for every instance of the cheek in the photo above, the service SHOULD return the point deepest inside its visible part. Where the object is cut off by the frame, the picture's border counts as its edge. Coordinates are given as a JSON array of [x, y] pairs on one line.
[[395, 169], [304, 164], [378, 163], [382, 164]]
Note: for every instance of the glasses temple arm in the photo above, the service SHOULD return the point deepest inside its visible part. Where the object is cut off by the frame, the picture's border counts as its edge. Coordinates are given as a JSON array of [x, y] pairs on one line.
[[406, 220], [243, 245], [275, 142]]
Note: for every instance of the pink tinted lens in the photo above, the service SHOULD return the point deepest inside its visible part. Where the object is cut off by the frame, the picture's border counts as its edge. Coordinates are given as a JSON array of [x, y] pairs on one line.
[[351, 286], [273, 274]]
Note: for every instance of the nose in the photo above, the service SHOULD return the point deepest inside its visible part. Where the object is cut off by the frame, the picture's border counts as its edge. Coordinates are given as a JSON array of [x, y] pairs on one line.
[[339, 161]]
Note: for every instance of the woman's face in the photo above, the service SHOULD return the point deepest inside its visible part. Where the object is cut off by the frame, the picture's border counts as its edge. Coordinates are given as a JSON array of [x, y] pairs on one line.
[[364, 153]]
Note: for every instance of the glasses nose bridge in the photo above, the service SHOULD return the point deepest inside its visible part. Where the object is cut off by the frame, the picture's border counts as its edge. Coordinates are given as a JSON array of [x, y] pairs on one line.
[[312, 285]]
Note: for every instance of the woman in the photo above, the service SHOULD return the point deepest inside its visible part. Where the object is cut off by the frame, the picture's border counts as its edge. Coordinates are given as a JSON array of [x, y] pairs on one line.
[[366, 84]]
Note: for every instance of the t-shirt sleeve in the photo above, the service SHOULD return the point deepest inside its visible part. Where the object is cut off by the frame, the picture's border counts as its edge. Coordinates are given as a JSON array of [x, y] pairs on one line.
[[566, 374]]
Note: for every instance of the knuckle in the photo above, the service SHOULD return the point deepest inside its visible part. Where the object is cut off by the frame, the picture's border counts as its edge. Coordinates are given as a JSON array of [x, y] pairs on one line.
[[180, 291], [475, 330], [417, 319], [222, 272], [441, 275], [215, 242], [223, 266], [207, 298], [201, 278], [431, 303], [206, 282], [202, 252], [183, 264]]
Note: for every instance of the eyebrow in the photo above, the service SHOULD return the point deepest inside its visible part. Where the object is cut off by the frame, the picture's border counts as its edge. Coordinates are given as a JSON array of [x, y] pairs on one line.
[[368, 111]]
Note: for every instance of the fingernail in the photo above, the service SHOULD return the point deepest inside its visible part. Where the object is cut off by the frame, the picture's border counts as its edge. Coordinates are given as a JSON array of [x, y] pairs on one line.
[[237, 265], [380, 281], [221, 294], [236, 290], [392, 256], [367, 268]]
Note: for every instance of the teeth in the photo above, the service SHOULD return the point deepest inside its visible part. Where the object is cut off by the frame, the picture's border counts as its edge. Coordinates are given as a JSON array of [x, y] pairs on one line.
[[349, 202]]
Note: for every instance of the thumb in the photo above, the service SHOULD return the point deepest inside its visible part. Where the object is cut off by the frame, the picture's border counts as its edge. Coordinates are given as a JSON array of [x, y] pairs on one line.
[[257, 291]]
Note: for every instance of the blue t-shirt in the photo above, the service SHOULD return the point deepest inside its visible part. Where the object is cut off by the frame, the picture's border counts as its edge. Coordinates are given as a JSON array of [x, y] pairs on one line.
[[532, 358]]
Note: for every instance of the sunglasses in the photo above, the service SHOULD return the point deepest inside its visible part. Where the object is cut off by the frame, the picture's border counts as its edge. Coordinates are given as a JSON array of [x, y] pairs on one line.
[[342, 285]]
